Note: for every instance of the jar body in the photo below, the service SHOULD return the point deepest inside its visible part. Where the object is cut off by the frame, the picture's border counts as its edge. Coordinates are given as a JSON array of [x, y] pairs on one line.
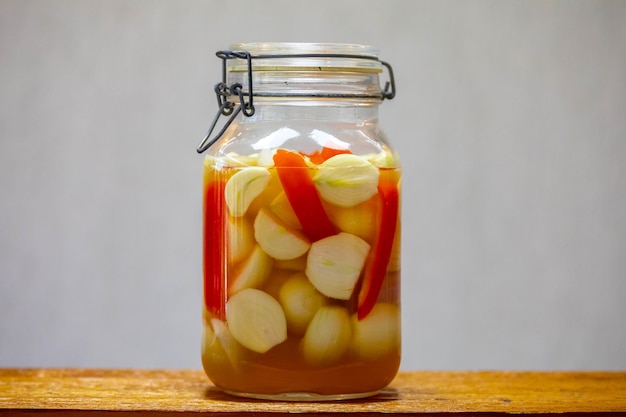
[[302, 254]]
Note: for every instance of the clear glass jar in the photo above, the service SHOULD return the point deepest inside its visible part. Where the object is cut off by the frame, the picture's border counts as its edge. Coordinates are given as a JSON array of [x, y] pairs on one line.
[[301, 227]]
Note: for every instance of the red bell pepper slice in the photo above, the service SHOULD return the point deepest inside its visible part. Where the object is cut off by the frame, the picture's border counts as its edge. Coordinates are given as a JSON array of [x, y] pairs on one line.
[[376, 266], [318, 157], [295, 177], [215, 222]]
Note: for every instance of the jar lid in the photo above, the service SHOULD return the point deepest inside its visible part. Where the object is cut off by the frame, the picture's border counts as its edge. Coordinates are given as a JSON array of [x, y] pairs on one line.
[[293, 56]]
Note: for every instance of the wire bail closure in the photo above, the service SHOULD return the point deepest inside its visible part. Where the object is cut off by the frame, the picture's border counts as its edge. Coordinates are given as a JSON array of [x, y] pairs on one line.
[[224, 91]]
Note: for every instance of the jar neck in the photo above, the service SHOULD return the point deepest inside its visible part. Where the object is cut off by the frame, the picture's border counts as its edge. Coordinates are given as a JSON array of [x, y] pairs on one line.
[[352, 85]]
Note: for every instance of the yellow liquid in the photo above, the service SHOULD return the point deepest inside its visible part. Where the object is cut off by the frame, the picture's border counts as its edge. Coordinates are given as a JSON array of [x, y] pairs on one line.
[[283, 372]]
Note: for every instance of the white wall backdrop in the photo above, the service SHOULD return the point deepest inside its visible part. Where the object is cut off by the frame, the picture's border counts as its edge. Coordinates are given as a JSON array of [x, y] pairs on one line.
[[510, 119]]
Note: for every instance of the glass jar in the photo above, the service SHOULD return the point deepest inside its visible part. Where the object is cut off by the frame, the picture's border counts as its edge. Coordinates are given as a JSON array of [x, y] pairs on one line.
[[301, 226]]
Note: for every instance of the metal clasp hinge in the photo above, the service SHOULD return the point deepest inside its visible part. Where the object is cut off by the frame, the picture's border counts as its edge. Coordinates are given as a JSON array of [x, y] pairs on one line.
[[389, 91], [226, 107]]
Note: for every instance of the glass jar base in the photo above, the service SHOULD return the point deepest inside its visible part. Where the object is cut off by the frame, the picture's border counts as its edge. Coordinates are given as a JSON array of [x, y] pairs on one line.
[[303, 396]]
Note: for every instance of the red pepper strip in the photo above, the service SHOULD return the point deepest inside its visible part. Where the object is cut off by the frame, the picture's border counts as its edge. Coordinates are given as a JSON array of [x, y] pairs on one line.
[[330, 152], [300, 190], [215, 217], [376, 267], [318, 157]]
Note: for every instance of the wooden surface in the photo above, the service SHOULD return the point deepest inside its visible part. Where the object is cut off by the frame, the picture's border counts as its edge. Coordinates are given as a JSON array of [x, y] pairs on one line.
[[178, 393]]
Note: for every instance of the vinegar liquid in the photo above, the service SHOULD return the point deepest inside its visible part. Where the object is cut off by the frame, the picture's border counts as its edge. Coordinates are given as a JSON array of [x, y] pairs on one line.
[[322, 340]]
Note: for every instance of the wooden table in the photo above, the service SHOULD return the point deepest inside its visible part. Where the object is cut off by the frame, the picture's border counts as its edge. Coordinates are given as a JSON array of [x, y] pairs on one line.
[[180, 393]]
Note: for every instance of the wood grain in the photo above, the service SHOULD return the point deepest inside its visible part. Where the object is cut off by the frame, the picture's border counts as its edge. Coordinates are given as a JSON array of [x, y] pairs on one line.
[[183, 392]]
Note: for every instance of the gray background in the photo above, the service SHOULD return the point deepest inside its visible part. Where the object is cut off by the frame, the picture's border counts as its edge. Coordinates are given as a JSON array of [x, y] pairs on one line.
[[509, 120]]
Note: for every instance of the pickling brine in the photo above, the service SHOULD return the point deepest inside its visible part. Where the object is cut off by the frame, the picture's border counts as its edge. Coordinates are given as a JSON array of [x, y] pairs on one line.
[[301, 273]]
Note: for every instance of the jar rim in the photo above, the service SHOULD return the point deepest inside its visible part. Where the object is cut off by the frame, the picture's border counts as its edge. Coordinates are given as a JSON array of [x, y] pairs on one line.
[[289, 48], [295, 56]]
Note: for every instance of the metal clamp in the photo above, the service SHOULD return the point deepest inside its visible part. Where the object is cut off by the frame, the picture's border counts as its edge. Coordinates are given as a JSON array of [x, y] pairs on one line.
[[389, 91], [226, 107]]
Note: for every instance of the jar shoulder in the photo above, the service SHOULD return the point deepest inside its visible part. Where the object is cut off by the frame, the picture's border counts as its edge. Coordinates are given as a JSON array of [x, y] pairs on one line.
[[301, 136]]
